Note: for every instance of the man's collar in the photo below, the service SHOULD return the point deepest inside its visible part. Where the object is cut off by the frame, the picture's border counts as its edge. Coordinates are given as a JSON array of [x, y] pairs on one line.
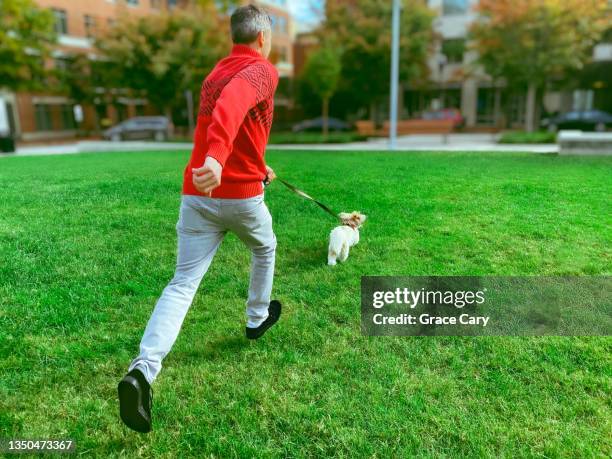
[[244, 50]]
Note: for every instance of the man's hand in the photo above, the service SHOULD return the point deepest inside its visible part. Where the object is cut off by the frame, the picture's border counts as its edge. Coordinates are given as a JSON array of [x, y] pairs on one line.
[[207, 177], [270, 175]]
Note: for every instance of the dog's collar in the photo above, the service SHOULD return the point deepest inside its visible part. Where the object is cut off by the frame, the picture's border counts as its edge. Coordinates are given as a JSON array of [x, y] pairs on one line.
[[349, 225]]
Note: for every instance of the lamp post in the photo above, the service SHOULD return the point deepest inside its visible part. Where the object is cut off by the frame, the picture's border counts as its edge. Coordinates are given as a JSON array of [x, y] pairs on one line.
[[395, 48], [442, 61]]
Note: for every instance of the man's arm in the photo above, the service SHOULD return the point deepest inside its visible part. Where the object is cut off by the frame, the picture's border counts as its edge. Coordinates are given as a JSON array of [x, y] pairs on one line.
[[244, 91], [231, 107]]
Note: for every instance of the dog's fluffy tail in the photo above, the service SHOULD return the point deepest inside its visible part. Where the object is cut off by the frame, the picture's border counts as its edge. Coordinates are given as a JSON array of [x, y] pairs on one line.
[[335, 247]]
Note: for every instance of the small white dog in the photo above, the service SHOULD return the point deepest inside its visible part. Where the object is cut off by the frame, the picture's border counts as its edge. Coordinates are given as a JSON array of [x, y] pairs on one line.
[[343, 237]]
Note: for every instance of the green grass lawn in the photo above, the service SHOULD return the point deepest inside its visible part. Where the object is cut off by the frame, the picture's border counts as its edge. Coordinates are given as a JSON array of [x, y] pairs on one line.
[[315, 137], [87, 243], [511, 137]]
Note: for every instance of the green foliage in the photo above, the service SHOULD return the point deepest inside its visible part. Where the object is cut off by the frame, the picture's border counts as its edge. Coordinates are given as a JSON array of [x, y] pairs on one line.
[[81, 77], [322, 71], [537, 41], [528, 137], [321, 75], [26, 32], [288, 138], [363, 28], [79, 281], [162, 56]]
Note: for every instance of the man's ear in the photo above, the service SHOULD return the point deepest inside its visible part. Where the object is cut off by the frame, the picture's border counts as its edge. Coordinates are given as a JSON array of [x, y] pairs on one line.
[[261, 39]]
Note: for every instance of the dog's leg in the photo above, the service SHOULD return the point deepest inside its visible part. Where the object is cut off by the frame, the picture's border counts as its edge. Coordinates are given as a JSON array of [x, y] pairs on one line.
[[344, 253], [331, 258]]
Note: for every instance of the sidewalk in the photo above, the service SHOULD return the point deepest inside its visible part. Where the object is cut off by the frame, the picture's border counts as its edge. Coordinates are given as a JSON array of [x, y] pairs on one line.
[[453, 142], [97, 147], [426, 142]]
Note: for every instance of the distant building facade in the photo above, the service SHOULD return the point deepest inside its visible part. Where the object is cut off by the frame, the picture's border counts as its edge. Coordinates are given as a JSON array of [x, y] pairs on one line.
[[455, 82], [305, 43], [483, 102], [283, 33], [45, 116]]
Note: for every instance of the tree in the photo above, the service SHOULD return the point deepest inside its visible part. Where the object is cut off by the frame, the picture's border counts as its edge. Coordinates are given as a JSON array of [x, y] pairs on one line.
[[26, 33], [322, 73], [85, 80], [162, 56], [530, 42], [363, 27]]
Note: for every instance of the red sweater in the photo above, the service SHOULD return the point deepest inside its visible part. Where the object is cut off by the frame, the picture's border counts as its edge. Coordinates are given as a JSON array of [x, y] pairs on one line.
[[234, 121]]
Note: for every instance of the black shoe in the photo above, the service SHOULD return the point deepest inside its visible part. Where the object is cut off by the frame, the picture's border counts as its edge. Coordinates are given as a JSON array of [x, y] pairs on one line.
[[135, 401], [274, 312]]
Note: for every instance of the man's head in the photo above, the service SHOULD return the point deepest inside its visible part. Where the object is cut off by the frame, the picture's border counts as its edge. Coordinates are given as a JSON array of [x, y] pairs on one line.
[[252, 26]]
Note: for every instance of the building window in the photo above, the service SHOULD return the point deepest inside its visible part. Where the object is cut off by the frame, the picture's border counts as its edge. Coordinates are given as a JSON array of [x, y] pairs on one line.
[[61, 21], [68, 122], [279, 24], [453, 50], [172, 3], [282, 25], [282, 54], [90, 26], [132, 2], [43, 117], [452, 7]]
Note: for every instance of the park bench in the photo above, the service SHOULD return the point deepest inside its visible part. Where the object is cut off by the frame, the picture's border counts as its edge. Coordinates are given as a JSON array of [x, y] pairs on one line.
[[366, 128], [585, 143], [408, 127]]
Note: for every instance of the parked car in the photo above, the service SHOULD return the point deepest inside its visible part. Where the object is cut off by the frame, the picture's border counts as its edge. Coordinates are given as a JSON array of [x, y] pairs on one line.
[[590, 120], [158, 128], [452, 114], [316, 125]]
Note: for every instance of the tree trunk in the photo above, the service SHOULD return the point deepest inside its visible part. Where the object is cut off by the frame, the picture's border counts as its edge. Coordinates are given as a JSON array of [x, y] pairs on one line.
[[400, 101], [530, 115], [539, 107], [325, 118], [190, 114]]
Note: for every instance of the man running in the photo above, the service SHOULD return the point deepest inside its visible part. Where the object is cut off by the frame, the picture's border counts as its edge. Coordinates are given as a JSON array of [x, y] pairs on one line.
[[222, 191]]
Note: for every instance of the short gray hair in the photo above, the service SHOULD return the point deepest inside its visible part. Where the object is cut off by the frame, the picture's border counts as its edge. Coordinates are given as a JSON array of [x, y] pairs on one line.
[[247, 22]]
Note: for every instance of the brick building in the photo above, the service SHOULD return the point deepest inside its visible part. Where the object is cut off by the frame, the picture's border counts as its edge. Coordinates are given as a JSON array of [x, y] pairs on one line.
[[283, 30], [47, 116], [51, 115], [483, 102], [305, 43]]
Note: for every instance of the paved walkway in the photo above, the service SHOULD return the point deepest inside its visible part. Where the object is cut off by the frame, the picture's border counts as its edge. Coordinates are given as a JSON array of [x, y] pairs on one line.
[[424, 142], [98, 147], [453, 142]]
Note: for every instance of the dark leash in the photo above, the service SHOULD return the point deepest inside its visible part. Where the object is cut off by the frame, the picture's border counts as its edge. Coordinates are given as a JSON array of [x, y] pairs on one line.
[[310, 198]]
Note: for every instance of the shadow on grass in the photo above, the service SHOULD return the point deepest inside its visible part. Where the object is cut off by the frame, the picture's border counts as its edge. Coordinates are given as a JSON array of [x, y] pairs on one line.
[[217, 349], [307, 258]]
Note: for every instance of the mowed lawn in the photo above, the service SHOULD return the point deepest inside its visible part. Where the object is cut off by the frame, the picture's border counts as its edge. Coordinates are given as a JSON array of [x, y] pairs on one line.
[[87, 243]]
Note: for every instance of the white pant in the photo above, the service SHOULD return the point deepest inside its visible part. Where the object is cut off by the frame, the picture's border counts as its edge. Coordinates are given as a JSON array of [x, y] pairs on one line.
[[203, 222]]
